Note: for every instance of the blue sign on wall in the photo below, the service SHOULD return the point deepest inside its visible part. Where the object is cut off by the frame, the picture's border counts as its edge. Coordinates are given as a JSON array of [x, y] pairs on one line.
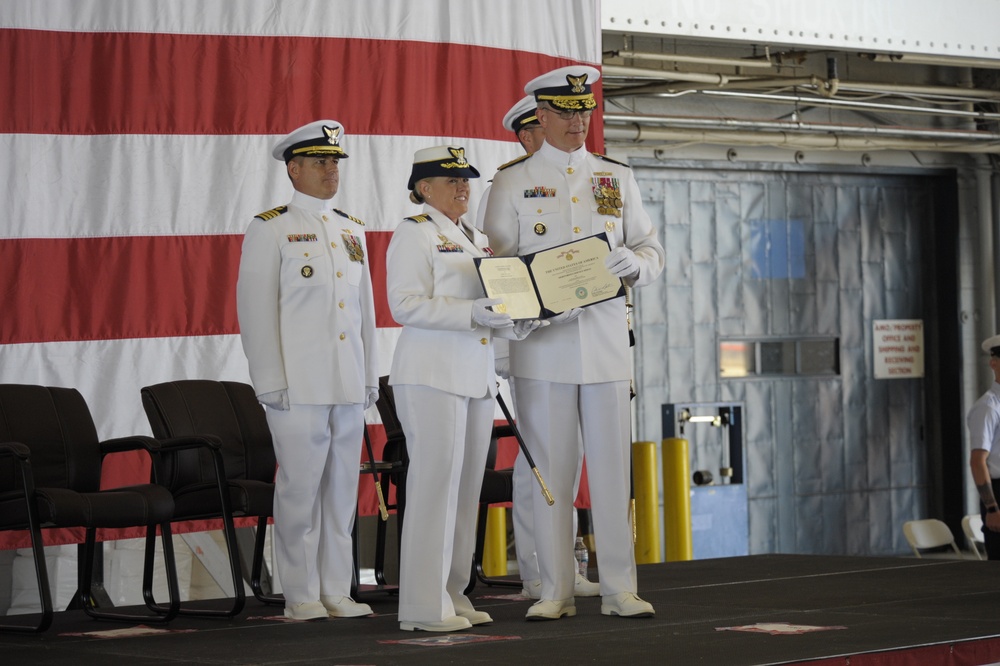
[[777, 249]]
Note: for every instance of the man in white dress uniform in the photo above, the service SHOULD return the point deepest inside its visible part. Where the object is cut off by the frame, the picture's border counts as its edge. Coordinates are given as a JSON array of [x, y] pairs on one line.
[[522, 120], [575, 373], [307, 322]]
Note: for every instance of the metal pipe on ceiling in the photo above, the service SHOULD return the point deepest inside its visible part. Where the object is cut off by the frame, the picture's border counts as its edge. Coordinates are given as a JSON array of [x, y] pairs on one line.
[[629, 119], [853, 104], [929, 59], [665, 75], [951, 93], [635, 134], [699, 60]]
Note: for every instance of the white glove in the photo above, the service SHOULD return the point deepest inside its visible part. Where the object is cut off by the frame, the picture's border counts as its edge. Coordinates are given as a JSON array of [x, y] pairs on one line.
[[503, 367], [564, 317], [525, 326], [372, 396], [482, 315], [622, 263], [275, 400]]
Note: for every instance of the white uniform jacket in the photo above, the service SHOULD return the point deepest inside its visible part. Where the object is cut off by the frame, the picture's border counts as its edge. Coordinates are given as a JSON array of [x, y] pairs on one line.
[[305, 306], [431, 281], [550, 198], [984, 428]]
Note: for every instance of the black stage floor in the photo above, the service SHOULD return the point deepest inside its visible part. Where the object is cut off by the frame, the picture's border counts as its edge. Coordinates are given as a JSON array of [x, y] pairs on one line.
[[762, 609]]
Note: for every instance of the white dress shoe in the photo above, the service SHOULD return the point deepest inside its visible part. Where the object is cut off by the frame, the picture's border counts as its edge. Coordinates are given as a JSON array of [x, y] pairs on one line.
[[464, 608], [454, 623], [550, 609], [626, 604], [475, 617], [531, 589], [309, 610], [345, 607], [585, 588]]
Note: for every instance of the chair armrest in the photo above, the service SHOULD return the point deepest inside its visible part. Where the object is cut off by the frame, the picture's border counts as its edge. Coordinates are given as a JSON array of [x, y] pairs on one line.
[[133, 443], [15, 450], [152, 445], [503, 430], [190, 442]]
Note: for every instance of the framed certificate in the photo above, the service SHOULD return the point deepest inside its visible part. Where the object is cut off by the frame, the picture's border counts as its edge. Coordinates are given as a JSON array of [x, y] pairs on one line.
[[547, 283]]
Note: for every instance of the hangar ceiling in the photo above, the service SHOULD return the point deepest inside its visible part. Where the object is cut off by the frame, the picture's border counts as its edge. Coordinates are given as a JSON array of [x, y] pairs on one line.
[[679, 90]]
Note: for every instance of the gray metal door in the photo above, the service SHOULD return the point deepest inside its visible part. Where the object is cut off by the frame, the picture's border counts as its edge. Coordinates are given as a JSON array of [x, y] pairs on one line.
[[835, 461]]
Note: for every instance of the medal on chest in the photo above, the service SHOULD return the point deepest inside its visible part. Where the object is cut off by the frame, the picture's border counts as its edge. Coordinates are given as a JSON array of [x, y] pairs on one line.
[[447, 245], [608, 194], [352, 244]]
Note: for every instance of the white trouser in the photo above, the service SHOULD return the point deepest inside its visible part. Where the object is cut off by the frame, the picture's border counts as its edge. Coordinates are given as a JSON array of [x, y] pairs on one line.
[[318, 448], [548, 414], [522, 515], [447, 440]]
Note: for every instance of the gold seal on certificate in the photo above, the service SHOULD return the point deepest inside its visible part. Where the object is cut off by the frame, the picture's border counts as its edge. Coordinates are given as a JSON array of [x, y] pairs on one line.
[[546, 283]]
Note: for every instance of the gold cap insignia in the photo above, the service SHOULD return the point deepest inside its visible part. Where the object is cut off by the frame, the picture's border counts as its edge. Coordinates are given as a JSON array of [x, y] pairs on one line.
[[459, 155], [332, 134]]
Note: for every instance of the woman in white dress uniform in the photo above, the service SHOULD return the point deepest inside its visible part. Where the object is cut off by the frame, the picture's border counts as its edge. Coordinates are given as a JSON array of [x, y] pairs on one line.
[[445, 384]]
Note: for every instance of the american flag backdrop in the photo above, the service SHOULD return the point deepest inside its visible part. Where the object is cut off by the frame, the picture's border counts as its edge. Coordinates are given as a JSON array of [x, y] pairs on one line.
[[136, 140]]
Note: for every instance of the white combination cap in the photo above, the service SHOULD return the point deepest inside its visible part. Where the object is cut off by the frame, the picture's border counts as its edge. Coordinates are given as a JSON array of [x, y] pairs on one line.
[[318, 138], [566, 88], [521, 114]]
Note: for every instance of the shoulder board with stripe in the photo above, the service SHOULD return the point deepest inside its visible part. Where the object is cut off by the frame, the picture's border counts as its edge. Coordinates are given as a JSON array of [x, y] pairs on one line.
[[608, 159], [273, 213], [418, 218], [349, 217], [513, 162]]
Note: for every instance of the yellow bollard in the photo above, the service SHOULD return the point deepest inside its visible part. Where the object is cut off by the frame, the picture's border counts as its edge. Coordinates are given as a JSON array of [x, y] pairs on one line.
[[677, 499], [647, 525], [495, 548]]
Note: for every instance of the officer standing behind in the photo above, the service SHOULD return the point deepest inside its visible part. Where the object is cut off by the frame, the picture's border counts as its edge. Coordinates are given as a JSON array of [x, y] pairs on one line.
[[307, 322], [522, 120], [984, 440], [576, 372], [444, 382]]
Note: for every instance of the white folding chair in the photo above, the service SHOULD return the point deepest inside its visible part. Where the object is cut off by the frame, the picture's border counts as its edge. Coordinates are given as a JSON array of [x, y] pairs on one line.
[[972, 525], [928, 533]]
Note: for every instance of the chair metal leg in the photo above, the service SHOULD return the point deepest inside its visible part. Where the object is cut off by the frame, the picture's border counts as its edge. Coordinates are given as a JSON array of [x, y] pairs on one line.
[[160, 614], [232, 549], [258, 567], [38, 555], [359, 592]]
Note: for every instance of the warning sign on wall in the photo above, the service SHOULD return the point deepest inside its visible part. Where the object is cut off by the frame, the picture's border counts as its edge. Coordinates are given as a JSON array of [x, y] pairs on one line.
[[898, 348]]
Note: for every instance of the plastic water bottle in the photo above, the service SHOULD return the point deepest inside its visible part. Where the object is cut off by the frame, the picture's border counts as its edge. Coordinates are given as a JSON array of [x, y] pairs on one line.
[[582, 557]]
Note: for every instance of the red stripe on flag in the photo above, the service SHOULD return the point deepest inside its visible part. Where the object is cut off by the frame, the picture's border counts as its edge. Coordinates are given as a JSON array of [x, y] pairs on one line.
[[378, 243], [120, 287], [133, 287], [149, 83]]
